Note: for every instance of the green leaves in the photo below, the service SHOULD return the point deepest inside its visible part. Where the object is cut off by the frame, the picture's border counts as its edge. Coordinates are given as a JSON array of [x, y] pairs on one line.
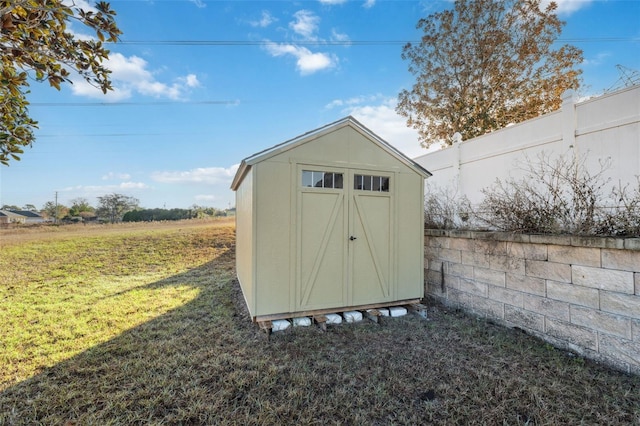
[[15, 124], [34, 38]]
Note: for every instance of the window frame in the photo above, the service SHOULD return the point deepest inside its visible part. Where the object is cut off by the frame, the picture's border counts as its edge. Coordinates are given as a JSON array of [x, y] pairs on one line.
[[363, 185], [324, 172]]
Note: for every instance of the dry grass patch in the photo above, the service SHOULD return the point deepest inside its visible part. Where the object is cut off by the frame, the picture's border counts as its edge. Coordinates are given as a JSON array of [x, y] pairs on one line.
[[197, 359]]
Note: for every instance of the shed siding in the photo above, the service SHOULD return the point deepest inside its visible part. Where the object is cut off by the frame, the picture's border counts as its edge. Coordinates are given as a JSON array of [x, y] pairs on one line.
[[409, 257], [273, 227], [329, 147], [244, 239], [344, 147]]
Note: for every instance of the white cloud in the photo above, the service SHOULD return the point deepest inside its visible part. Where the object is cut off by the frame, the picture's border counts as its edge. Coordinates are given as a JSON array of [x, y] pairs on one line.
[[265, 20], [99, 190], [596, 60], [191, 80], [207, 197], [130, 75], [203, 175], [341, 37], [356, 100], [199, 3], [133, 185], [307, 62], [368, 4], [82, 4], [336, 103], [566, 7], [305, 24], [332, 2], [116, 176], [382, 119]]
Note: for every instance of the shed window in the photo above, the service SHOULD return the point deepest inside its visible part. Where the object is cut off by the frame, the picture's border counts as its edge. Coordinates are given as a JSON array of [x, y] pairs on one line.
[[371, 183], [315, 179]]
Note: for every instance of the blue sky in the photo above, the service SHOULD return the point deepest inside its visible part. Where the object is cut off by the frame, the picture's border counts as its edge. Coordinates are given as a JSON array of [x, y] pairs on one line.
[[199, 87]]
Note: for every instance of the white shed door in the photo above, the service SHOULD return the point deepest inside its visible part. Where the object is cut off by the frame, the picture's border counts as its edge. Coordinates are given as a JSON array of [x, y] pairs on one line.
[[344, 238]]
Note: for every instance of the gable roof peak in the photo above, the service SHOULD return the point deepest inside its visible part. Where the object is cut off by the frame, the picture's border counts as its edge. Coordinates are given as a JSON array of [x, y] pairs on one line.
[[349, 120]]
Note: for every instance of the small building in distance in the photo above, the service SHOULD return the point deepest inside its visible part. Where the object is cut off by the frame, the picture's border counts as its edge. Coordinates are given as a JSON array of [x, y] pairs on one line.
[[20, 217]]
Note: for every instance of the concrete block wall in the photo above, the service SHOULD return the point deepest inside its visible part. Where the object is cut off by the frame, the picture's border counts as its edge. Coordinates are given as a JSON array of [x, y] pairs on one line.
[[577, 293]]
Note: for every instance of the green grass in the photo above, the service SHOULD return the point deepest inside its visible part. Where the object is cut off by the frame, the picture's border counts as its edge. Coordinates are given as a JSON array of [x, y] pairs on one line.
[[148, 326], [64, 296]]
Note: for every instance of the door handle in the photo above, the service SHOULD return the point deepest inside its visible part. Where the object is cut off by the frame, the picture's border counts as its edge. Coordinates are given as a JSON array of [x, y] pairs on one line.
[[352, 238]]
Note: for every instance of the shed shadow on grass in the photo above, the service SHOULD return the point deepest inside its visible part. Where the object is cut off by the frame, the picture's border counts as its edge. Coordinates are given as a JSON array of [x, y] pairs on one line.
[[137, 375], [206, 363]]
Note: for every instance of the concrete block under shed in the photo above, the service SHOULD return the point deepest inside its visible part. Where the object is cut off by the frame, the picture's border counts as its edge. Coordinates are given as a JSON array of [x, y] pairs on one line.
[[397, 311], [352, 316], [333, 319], [280, 325], [302, 322]]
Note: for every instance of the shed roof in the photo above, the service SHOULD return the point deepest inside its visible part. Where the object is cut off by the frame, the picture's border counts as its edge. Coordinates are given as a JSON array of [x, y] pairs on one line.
[[246, 163]]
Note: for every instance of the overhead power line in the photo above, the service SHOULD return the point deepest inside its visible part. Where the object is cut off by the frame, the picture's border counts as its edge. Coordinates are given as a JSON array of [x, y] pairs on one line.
[[335, 42], [114, 135], [153, 103], [264, 42]]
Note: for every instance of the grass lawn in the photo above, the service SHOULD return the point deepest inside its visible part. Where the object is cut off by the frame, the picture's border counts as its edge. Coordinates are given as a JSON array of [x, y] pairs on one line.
[[145, 324]]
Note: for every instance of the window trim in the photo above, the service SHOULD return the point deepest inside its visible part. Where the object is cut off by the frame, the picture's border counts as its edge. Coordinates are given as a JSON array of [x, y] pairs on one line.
[[323, 179], [369, 186]]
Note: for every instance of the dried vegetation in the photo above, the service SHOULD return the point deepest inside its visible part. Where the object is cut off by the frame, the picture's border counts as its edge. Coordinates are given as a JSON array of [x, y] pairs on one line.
[[554, 196]]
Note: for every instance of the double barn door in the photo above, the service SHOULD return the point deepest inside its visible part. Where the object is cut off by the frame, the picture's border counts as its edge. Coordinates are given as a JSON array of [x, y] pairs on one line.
[[344, 237]]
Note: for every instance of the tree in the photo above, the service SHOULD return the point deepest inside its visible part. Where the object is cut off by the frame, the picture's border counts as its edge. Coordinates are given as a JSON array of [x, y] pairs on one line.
[[80, 205], [149, 215], [483, 65], [36, 43], [80, 208], [55, 211], [114, 206]]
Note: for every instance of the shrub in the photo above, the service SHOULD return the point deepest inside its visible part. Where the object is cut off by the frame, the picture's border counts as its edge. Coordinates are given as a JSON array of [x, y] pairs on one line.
[[554, 196], [622, 219], [445, 210]]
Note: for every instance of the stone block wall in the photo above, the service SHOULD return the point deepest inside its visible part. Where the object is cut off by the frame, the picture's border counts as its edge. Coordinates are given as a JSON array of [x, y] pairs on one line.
[[577, 293]]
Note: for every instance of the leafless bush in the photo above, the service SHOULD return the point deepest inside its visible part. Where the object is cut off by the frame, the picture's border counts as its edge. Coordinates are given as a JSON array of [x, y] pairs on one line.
[[554, 196], [623, 217], [561, 196], [443, 209]]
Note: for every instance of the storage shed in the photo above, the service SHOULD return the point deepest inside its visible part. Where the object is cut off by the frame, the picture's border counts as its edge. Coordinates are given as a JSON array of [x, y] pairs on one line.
[[329, 221]]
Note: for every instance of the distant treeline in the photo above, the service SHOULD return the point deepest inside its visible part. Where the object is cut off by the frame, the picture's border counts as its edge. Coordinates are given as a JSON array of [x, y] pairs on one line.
[[150, 215]]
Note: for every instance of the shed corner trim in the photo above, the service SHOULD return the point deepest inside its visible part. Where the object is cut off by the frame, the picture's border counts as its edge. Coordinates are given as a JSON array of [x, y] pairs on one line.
[[243, 169]]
